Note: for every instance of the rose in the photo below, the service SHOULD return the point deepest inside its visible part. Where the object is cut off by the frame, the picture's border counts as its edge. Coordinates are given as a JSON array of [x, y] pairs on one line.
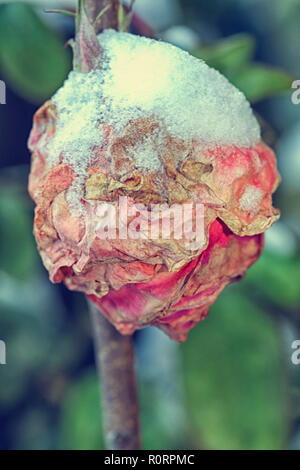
[[83, 156]]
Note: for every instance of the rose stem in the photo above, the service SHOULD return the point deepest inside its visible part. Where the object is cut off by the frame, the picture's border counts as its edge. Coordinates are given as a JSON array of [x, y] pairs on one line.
[[115, 360], [114, 352]]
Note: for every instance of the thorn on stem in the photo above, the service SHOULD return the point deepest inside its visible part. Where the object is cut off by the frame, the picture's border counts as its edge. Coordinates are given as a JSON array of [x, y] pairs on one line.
[[104, 10], [63, 12]]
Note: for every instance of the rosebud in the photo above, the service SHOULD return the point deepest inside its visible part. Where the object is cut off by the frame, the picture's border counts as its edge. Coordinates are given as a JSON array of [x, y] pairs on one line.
[[150, 125]]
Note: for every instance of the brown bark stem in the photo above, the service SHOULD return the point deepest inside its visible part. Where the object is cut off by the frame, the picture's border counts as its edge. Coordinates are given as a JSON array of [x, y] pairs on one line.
[[109, 19], [115, 360]]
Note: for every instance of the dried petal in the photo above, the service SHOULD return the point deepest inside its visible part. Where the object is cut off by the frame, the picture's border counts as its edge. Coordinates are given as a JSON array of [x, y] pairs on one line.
[[142, 278]]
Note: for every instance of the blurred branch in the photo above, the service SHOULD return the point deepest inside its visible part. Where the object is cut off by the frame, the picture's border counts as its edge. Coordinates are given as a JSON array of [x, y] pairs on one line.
[[115, 360]]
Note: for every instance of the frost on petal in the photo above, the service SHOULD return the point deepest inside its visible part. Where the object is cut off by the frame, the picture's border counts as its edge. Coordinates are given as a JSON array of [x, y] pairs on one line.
[[157, 127]]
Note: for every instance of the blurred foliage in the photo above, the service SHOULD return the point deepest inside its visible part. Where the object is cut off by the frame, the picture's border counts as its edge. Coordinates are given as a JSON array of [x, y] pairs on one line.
[[81, 415], [235, 383], [32, 58], [229, 54], [43, 345], [280, 286], [233, 57], [18, 254], [258, 82]]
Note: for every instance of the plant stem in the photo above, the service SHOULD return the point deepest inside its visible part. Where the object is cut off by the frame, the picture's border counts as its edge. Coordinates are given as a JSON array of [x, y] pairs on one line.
[[114, 352], [115, 360], [109, 19]]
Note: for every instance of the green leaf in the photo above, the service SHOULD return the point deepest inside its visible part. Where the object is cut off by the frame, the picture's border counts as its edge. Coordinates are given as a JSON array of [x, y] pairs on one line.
[[232, 57], [258, 82], [33, 61], [18, 253], [228, 54], [277, 279], [234, 378]]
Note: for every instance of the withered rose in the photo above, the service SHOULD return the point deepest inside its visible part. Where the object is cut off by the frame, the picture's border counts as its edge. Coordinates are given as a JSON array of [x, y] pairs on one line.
[[107, 135]]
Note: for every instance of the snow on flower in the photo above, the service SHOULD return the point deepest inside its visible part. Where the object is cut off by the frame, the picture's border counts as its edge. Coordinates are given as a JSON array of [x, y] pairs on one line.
[[158, 126]]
